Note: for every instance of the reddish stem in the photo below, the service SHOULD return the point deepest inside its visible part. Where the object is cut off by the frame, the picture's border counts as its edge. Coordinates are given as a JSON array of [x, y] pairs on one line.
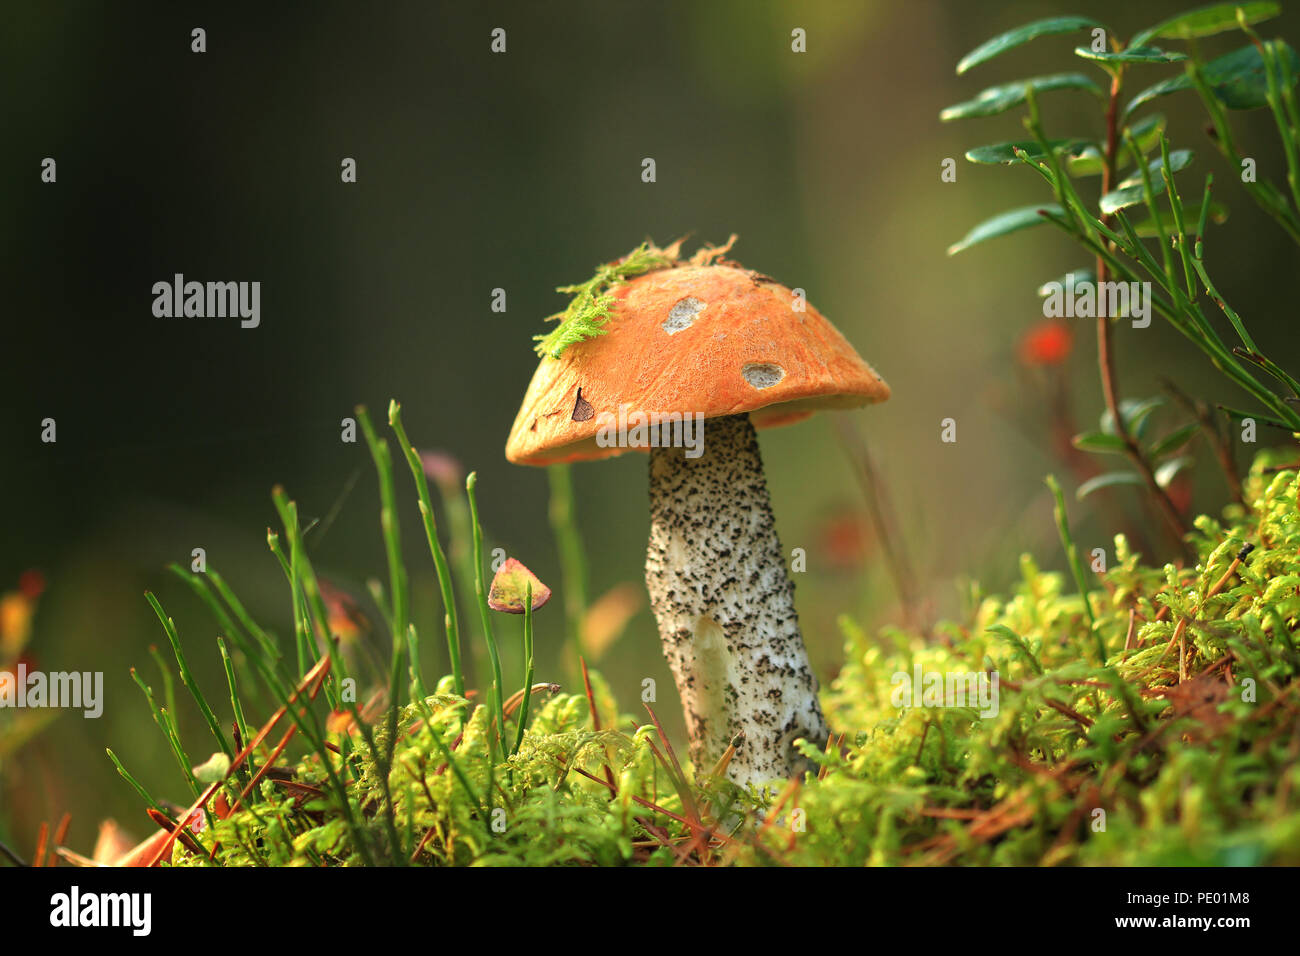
[[1105, 349]]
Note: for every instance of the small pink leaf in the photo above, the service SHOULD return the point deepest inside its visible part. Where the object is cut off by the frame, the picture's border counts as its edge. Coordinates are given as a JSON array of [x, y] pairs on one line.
[[510, 587]]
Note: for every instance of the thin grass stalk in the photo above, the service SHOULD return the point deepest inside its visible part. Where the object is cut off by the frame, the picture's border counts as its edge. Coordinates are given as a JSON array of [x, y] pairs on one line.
[[528, 665], [187, 677], [480, 589], [445, 583], [400, 611]]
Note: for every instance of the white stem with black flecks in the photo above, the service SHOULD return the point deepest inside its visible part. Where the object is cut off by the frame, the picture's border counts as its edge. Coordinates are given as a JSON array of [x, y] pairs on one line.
[[719, 589]]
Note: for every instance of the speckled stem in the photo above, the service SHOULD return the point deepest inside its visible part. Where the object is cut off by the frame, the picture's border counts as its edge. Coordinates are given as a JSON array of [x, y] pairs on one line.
[[718, 586]]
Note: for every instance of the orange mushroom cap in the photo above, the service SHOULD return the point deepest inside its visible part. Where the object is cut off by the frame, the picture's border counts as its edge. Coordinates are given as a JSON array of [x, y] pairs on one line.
[[711, 339]]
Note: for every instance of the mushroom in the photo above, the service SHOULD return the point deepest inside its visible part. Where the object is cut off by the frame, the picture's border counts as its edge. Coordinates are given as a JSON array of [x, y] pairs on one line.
[[711, 345]]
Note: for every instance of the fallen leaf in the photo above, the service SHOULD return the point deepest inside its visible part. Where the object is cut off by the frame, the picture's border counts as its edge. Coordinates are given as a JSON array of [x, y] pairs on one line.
[[510, 585]]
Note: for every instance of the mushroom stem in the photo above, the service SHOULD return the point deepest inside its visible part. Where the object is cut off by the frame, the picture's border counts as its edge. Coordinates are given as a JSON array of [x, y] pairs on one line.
[[719, 589]]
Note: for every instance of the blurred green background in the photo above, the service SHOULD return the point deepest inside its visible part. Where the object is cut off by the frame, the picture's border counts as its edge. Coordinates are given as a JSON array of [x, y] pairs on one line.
[[519, 171]]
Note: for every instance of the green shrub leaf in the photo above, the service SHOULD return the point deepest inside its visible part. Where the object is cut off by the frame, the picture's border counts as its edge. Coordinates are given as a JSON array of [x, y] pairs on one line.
[[1168, 470], [1091, 162], [999, 99], [1021, 35], [1099, 442], [1007, 222], [1179, 160], [1005, 153], [1236, 414], [1106, 480], [1082, 276], [1239, 79], [1112, 202], [1133, 191], [1175, 440], [1135, 54], [1207, 21], [1135, 414], [1147, 130]]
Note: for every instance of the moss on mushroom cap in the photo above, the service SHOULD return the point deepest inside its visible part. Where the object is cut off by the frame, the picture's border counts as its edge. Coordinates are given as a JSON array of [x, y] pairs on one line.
[[713, 339]]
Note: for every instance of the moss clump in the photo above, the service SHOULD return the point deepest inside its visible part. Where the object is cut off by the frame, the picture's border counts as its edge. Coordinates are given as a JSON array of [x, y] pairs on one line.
[[1132, 761], [548, 804], [587, 312]]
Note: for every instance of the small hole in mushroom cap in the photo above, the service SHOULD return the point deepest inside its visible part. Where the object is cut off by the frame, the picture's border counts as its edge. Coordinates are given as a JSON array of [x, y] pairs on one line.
[[682, 315], [762, 374]]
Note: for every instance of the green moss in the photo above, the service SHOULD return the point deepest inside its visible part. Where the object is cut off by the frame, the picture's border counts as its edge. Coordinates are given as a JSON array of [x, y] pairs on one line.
[[1085, 762], [588, 311]]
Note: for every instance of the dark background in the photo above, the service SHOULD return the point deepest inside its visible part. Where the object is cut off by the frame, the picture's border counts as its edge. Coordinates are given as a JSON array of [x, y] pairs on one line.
[[519, 171]]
